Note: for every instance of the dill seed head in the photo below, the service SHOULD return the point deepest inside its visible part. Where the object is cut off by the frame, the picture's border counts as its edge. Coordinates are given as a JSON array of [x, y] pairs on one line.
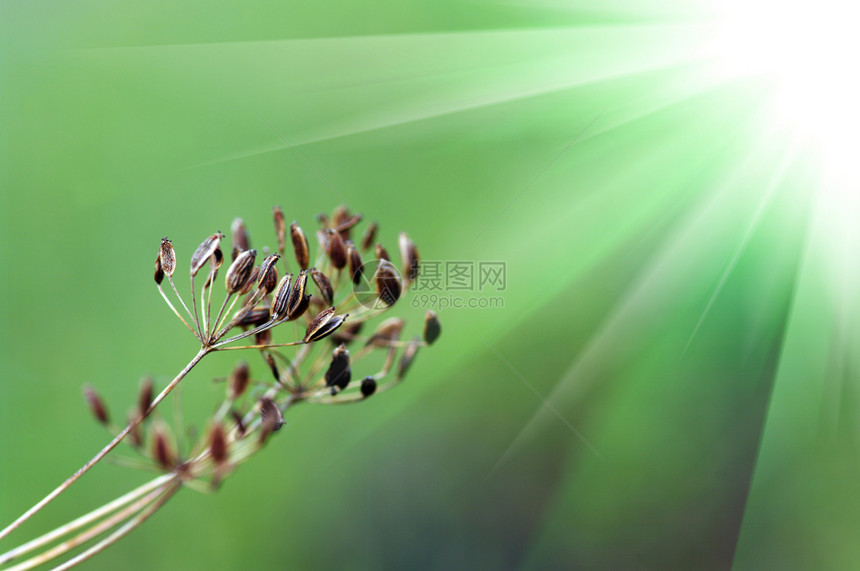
[[355, 265], [97, 406], [432, 327], [338, 374], [267, 277], [323, 285], [323, 325], [368, 386], [281, 297], [144, 395], [388, 286], [239, 272], [369, 236], [336, 249], [204, 252], [382, 253], [300, 246], [218, 444], [238, 380], [280, 229], [167, 257]]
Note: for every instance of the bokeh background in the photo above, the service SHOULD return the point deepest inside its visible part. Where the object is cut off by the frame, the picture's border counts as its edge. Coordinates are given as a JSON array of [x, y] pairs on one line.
[[668, 381]]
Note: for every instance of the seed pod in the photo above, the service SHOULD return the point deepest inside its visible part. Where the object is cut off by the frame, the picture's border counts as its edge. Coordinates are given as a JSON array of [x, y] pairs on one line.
[[336, 249], [280, 229], [406, 361], [300, 246], [159, 273], [167, 257], [368, 386], [432, 327], [240, 236], [338, 374], [267, 277], [297, 294], [204, 251], [251, 281], [254, 317], [345, 227], [239, 272], [339, 216], [97, 406], [388, 286], [144, 396], [369, 236], [323, 325], [216, 259], [323, 285], [355, 266], [239, 380], [218, 444], [387, 331], [272, 417], [409, 256], [281, 297], [347, 333], [163, 451], [382, 253]]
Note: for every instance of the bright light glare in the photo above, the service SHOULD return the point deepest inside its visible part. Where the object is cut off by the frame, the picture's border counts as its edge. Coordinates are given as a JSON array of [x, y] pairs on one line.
[[809, 52]]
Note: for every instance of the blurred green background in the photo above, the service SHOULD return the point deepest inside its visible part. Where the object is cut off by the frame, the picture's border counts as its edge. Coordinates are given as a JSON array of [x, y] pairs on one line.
[[670, 382]]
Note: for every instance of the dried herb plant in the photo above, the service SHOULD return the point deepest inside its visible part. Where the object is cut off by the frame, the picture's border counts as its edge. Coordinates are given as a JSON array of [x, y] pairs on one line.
[[332, 303]]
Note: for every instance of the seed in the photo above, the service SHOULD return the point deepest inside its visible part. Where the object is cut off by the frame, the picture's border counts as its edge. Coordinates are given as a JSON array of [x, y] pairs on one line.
[[323, 285], [281, 297], [240, 236], [204, 252], [300, 246], [355, 266], [272, 417], [407, 359], [267, 277], [144, 396], [218, 444], [323, 324], [409, 256], [336, 249], [280, 229], [387, 331], [97, 406], [368, 386], [239, 380], [382, 253], [369, 236], [388, 286], [338, 373], [159, 273], [239, 272], [297, 294], [432, 327], [163, 451], [167, 257]]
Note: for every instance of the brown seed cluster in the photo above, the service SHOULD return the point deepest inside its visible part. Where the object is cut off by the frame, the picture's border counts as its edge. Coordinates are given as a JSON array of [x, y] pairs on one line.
[[310, 361]]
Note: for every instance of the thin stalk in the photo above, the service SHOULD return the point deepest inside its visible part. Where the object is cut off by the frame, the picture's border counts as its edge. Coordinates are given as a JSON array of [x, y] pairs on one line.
[[182, 301], [164, 295], [84, 519], [104, 451], [121, 532]]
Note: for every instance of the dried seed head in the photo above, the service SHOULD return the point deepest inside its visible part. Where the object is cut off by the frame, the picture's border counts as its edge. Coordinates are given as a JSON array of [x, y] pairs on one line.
[[432, 327], [408, 356], [388, 286], [280, 229], [297, 295], [159, 273], [387, 331], [204, 251], [218, 444], [323, 285], [239, 272], [369, 236], [355, 266], [239, 380], [409, 256], [300, 246], [144, 396], [347, 333], [240, 236], [97, 406], [368, 386], [251, 281], [281, 297], [338, 374], [273, 420], [167, 257], [162, 450], [382, 253], [323, 325], [336, 249], [267, 277]]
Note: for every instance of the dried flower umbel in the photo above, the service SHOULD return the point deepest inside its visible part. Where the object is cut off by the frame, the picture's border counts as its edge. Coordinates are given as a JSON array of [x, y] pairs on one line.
[[324, 367]]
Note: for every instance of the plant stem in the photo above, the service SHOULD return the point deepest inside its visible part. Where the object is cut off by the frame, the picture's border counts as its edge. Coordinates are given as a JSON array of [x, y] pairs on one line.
[[104, 451]]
